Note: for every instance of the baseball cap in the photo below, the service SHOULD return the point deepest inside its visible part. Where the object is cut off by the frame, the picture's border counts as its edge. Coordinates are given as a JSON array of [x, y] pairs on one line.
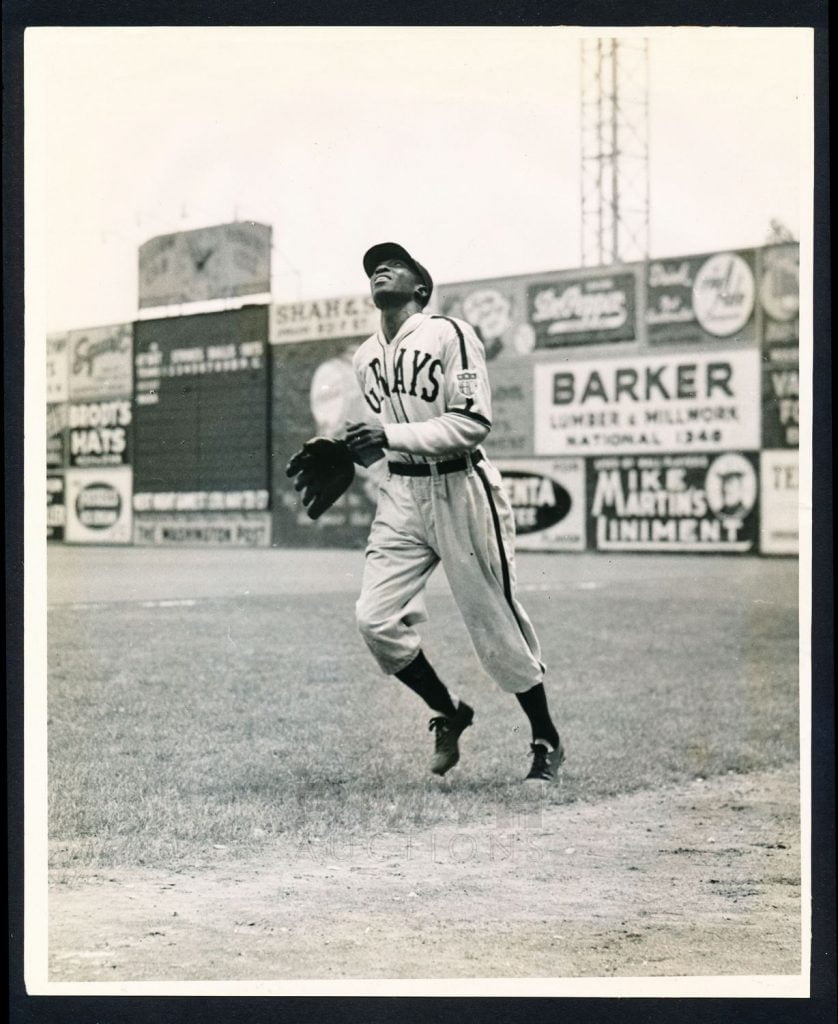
[[392, 251]]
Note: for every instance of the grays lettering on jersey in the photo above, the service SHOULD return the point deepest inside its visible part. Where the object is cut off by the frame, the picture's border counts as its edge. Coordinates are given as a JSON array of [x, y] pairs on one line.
[[428, 386]]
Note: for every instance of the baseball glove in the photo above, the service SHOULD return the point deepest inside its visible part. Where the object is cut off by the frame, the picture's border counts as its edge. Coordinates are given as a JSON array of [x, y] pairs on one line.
[[324, 469]]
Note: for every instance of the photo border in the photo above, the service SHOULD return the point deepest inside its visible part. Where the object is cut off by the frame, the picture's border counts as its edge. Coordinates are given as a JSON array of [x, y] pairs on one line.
[[23, 1008]]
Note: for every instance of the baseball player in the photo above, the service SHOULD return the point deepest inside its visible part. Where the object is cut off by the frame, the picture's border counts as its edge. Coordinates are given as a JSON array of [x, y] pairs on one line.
[[424, 377]]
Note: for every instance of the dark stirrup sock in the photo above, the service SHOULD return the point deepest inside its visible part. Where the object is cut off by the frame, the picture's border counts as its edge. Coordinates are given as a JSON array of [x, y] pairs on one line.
[[534, 703], [421, 678]]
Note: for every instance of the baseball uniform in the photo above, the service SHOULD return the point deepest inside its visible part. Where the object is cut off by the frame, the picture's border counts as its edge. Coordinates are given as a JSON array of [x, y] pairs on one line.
[[441, 501]]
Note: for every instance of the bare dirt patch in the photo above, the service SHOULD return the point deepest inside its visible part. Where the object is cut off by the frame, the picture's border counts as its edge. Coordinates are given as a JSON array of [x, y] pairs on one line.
[[695, 879]]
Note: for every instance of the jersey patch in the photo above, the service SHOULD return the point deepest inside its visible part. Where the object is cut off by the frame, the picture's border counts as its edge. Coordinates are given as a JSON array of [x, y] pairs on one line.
[[467, 383]]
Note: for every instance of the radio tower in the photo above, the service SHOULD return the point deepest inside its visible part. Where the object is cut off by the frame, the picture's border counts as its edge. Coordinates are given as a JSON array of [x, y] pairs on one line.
[[615, 150]]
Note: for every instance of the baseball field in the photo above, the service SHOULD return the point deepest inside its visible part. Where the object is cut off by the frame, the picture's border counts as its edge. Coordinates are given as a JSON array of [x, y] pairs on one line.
[[236, 793]]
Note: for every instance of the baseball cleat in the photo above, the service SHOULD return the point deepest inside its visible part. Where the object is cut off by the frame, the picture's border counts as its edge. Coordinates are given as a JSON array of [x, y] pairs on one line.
[[448, 732], [545, 762]]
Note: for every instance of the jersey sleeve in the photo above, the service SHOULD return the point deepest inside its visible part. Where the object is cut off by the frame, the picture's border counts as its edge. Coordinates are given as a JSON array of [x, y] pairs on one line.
[[356, 366], [467, 418]]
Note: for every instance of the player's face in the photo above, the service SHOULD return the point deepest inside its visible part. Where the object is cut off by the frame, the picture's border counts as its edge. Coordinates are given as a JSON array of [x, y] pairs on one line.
[[393, 283]]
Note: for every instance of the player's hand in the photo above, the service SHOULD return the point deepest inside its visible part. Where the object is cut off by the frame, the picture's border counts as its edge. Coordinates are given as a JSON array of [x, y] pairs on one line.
[[361, 436]]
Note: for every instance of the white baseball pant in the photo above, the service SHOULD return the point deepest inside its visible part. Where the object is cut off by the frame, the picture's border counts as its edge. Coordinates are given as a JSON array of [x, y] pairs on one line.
[[462, 519]]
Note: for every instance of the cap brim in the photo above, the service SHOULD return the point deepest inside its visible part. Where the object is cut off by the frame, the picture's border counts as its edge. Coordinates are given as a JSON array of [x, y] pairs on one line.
[[385, 251]]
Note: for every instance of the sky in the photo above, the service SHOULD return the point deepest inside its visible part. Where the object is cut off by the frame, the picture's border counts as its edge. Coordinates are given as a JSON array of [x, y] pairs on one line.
[[463, 144]]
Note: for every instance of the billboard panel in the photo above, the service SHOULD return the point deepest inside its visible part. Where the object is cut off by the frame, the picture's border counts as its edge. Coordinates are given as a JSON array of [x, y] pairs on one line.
[[780, 503], [315, 391], [217, 262], [202, 501], [100, 362], [203, 529], [57, 369], [347, 316], [201, 404], [781, 396], [701, 299], [521, 319], [666, 403], [779, 293], [548, 501], [57, 416], [583, 308], [98, 506], [497, 310], [512, 410], [100, 433], [56, 511], [691, 503]]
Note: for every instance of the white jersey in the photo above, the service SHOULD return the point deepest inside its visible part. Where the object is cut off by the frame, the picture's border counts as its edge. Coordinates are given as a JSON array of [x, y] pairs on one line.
[[428, 387]]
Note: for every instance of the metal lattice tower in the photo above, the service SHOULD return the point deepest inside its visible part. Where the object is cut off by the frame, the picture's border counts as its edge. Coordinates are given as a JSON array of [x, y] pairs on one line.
[[615, 150]]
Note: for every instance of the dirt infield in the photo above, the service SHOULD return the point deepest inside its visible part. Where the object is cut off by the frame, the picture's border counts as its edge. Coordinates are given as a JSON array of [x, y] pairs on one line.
[[686, 880]]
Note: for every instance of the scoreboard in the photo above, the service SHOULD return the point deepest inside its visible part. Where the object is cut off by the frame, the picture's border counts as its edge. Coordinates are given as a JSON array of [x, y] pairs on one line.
[[201, 431]]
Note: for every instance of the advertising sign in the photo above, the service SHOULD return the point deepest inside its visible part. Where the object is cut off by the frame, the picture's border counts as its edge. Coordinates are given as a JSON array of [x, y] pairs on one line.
[[56, 435], [55, 506], [497, 310], [57, 369], [780, 503], [202, 501], [98, 506], [512, 410], [698, 299], [99, 433], [315, 391], [780, 397], [779, 293], [695, 503], [346, 524], [201, 404], [218, 262], [582, 309], [668, 403], [210, 529], [548, 500], [100, 362], [344, 317]]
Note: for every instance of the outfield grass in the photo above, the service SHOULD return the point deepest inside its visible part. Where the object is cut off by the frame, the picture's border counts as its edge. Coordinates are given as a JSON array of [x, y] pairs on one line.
[[235, 721]]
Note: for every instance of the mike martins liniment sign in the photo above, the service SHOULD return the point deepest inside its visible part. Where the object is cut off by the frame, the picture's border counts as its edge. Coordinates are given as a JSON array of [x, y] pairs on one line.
[[698, 503], [670, 403]]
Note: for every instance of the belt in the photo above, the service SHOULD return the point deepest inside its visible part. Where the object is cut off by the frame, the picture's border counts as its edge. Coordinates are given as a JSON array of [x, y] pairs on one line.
[[424, 468]]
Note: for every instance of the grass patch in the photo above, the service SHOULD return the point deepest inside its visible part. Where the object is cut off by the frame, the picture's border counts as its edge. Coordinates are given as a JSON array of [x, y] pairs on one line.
[[241, 722]]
